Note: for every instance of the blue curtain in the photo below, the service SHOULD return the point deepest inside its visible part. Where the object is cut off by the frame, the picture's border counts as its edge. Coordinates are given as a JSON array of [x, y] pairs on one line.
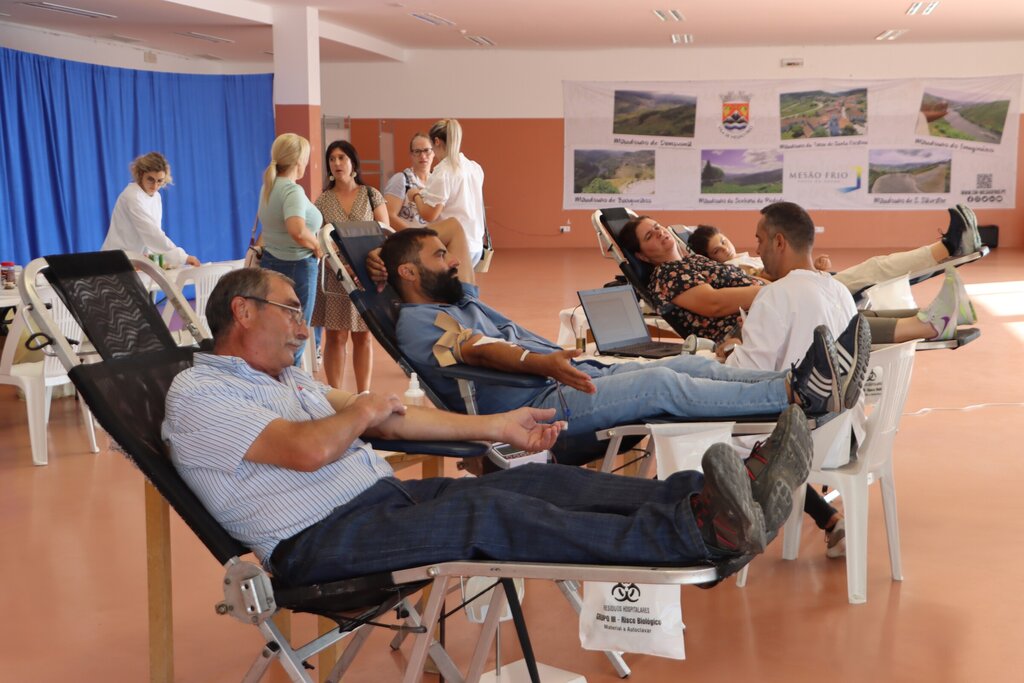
[[68, 132]]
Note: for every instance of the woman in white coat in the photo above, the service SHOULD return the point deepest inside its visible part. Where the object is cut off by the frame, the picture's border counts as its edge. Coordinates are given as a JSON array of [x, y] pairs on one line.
[[138, 214]]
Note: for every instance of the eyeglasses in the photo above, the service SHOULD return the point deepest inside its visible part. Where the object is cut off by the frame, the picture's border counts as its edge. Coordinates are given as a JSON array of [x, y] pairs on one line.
[[298, 316], [422, 152]]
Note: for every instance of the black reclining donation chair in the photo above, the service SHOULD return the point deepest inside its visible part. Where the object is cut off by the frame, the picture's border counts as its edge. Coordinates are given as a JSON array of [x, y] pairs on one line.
[[126, 391], [608, 224]]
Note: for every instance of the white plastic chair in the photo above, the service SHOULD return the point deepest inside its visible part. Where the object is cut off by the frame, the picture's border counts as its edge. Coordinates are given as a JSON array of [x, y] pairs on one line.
[[889, 295], [874, 462], [205, 278], [37, 379]]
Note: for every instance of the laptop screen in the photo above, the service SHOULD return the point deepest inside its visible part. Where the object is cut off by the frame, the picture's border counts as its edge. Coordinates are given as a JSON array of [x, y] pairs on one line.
[[614, 316]]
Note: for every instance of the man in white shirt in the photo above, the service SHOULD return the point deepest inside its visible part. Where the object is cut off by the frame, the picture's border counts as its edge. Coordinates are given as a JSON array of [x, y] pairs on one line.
[[783, 316]]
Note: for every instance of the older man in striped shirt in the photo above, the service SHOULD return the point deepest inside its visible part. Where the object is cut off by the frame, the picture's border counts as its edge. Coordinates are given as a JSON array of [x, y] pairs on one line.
[[277, 458]]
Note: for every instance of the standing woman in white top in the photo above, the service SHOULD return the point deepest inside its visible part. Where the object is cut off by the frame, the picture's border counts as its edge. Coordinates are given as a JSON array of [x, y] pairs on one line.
[[139, 211], [455, 189]]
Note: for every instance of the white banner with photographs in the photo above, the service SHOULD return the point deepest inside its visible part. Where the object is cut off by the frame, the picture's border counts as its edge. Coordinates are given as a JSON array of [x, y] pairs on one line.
[[825, 144]]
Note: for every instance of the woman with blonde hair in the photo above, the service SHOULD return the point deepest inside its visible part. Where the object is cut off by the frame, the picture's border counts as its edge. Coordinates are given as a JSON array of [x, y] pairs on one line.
[[290, 221], [455, 189], [345, 198], [139, 211]]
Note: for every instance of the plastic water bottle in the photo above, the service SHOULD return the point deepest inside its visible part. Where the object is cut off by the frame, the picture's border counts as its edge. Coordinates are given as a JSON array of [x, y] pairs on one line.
[[414, 396]]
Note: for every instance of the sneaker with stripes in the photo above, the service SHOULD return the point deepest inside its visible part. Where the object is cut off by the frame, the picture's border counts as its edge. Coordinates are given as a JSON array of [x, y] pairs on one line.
[[815, 380], [853, 350]]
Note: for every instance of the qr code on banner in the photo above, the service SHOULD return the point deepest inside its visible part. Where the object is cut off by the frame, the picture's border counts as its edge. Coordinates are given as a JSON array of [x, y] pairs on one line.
[[984, 181]]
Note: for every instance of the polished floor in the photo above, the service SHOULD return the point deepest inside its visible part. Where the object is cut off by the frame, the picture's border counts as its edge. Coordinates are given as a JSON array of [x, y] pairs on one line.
[[73, 565]]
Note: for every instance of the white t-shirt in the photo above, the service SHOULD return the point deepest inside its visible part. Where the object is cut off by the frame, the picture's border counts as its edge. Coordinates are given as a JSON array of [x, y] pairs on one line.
[[135, 226], [462, 193], [780, 325]]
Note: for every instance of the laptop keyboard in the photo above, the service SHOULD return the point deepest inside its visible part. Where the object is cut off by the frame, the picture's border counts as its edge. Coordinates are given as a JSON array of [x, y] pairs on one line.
[[657, 349]]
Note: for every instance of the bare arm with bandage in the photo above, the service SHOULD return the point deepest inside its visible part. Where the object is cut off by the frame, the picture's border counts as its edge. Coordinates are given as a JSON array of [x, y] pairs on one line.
[[462, 345]]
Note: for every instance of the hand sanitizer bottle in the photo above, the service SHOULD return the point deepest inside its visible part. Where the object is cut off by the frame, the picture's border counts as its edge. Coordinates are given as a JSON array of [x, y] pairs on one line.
[[414, 396]]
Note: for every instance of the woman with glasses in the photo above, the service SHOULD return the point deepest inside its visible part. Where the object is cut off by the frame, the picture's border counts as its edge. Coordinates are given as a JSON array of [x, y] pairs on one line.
[[454, 190], [403, 212], [290, 221], [138, 213], [345, 198]]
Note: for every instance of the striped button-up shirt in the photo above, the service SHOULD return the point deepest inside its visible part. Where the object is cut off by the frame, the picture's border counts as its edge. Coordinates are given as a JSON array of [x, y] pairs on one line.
[[216, 409]]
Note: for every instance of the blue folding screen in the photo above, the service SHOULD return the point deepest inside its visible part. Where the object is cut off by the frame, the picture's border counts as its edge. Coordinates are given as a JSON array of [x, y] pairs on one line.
[[68, 132]]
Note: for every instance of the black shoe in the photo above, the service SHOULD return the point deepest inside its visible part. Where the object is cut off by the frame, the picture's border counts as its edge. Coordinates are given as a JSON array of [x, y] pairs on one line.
[[962, 236], [815, 381], [952, 239], [971, 239], [728, 518], [778, 465], [853, 349]]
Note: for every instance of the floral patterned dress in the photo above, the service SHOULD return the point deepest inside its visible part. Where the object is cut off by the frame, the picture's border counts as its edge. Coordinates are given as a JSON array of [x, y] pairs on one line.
[[333, 309], [671, 279]]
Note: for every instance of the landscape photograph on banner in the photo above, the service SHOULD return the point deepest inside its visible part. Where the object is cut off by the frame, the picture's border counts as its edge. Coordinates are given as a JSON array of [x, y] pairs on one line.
[[610, 171], [741, 171], [962, 116], [909, 171], [644, 112], [823, 114]]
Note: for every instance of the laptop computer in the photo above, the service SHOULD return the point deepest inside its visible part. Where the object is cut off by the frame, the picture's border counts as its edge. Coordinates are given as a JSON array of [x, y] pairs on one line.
[[618, 327]]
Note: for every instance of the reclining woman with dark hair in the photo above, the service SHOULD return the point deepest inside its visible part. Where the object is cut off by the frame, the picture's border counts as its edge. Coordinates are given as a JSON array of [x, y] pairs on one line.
[[708, 295], [960, 239]]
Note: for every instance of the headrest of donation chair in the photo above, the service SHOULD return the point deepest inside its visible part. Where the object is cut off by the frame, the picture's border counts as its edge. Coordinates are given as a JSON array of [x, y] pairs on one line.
[[122, 320], [636, 271], [355, 241]]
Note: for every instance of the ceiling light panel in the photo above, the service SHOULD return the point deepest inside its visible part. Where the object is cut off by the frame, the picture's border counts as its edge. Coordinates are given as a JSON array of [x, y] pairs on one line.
[[203, 36], [682, 38], [66, 9], [669, 14], [482, 41], [432, 19], [932, 6], [891, 34], [912, 10]]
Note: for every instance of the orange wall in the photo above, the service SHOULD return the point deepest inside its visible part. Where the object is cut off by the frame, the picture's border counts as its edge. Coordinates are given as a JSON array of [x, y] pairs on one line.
[[522, 160]]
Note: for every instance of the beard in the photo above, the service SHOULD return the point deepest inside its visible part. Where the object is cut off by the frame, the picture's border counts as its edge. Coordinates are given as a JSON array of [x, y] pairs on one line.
[[444, 287]]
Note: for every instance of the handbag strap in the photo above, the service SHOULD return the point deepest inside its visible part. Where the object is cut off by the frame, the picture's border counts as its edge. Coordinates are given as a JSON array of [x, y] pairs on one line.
[[255, 225]]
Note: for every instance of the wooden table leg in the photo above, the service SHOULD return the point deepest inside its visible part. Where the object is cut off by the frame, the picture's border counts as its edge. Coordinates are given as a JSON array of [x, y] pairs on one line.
[[158, 572]]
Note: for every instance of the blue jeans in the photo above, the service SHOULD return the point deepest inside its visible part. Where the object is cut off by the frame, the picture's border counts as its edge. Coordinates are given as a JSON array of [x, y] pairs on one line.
[[533, 513], [681, 386], [303, 272]]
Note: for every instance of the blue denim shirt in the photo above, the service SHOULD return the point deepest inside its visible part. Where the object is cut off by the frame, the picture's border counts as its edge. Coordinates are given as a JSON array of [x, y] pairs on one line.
[[417, 335]]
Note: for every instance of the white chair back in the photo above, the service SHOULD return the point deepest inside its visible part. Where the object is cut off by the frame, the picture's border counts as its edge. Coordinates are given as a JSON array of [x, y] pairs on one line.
[[889, 295], [68, 327], [204, 278], [897, 365]]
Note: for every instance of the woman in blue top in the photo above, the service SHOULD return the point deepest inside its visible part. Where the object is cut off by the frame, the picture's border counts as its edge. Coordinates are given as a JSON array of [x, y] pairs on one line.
[[290, 221]]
